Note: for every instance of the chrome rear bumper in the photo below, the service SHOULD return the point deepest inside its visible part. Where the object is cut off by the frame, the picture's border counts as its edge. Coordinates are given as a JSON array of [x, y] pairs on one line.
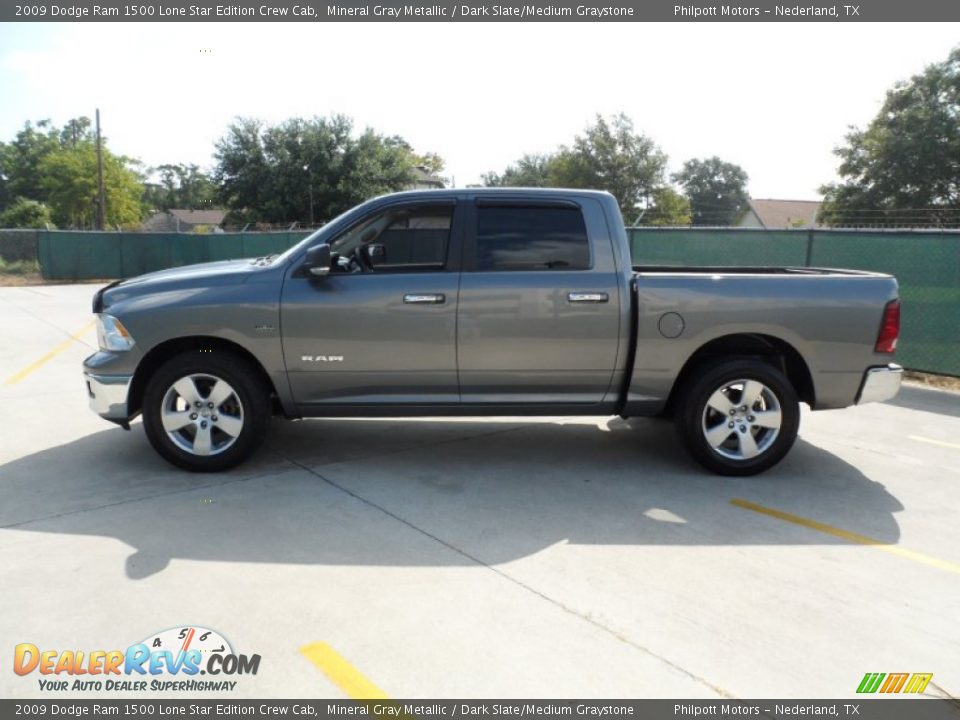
[[880, 383]]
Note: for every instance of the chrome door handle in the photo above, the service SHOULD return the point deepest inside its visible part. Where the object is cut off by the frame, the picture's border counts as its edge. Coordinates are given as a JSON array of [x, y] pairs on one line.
[[425, 298], [588, 297]]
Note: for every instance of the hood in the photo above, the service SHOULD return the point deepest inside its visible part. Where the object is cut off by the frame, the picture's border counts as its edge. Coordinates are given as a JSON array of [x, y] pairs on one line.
[[210, 274]]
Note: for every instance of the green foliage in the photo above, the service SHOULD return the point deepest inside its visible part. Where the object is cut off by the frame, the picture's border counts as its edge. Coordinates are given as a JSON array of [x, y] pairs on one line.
[[57, 168], [529, 171], [908, 157], [668, 208], [609, 155], [75, 132], [431, 162], [271, 173], [69, 179], [717, 190], [180, 186], [22, 158], [25, 213], [19, 267], [5, 196]]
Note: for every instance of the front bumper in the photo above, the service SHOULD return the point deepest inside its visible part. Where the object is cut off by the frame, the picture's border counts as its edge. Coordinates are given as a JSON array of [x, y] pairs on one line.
[[108, 395], [880, 383]]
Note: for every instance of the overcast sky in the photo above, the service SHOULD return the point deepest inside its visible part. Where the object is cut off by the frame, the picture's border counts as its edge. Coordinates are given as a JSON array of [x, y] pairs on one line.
[[774, 98]]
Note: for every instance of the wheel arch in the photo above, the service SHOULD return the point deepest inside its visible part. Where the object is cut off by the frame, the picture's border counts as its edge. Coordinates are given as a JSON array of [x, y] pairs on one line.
[[770, 349], [162, 352]]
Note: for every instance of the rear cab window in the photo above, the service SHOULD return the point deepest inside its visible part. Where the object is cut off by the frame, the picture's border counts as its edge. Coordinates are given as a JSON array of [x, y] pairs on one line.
[[531, 238]]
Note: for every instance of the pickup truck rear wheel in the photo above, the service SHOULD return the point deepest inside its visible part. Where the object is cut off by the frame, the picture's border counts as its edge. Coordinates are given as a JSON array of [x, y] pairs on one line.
[[205, 412], [739, 417]]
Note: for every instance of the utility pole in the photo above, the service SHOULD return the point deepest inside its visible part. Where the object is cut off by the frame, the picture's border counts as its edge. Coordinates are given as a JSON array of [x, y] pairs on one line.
[[306, 169], [101, 193]]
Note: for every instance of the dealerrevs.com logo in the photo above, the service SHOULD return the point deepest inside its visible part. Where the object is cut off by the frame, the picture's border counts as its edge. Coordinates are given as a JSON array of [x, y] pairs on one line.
[[171, 660]]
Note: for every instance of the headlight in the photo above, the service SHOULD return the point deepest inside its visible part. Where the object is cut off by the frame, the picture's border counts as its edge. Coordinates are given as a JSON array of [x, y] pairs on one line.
[[111, 334]]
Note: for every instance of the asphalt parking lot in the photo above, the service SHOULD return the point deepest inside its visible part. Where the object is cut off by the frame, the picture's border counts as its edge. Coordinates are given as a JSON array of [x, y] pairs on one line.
[[479, 558]]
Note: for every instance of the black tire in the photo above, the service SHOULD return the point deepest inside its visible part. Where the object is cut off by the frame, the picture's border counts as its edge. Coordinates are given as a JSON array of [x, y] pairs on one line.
[[245, 412], [698, 421]]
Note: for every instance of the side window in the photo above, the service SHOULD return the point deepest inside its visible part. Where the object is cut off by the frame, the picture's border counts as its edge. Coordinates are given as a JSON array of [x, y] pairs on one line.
[[531, 238], [412, 238], [417, 238]]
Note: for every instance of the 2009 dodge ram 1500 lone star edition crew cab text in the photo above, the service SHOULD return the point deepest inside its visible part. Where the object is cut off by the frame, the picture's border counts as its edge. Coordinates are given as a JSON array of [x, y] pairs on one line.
[[487, 302]]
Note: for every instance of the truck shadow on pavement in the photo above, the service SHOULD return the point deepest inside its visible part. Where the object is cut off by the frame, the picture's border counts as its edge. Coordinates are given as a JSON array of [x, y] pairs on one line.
[[429, 492], [927, 400]]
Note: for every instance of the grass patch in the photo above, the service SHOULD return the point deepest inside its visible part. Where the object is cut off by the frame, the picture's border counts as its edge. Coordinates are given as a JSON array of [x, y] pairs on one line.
[[19, 267], [941, 382]]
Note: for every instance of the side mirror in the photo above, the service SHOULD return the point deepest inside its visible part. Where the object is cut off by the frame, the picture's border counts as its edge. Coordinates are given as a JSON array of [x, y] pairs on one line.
[[377, 254], [317, 260]]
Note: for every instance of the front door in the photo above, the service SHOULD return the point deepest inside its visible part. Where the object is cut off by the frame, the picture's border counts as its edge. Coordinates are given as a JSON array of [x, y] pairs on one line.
[[381, 327]]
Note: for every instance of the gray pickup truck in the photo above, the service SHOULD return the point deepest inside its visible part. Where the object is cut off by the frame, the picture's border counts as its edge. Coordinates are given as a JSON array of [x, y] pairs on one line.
[[487, 302]]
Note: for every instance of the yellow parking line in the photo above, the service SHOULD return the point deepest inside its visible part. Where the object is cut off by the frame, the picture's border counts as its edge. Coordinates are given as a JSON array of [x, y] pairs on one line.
[[847, 535], [344, 675], [20, 375], [942, 443]]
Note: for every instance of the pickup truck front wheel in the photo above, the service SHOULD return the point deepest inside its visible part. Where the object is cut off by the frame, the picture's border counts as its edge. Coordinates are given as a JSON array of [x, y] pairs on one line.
[[204, 411], [739, 417]]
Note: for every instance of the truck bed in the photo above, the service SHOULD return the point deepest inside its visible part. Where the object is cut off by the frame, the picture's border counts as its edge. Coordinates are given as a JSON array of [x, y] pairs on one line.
[[828, 317]]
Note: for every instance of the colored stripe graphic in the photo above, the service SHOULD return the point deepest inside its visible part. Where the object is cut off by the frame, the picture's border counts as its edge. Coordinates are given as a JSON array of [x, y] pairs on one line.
[[894, 682], [918, 682], [870, 682]]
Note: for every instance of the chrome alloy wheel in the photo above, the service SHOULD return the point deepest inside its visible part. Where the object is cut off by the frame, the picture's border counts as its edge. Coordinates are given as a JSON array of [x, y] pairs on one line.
[[741, 419], [202, 414]]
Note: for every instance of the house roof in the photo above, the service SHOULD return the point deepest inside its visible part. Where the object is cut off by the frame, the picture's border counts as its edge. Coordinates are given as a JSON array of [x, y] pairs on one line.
[[198, 217], [785, 213]]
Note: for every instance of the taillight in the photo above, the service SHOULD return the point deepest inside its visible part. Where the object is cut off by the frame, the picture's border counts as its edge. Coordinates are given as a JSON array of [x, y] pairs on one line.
[[889, 328]]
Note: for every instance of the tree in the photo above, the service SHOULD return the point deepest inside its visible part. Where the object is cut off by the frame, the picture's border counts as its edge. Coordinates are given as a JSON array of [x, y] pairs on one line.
[[24, 213], [908, 157], [22, 158], [57, 167], [609, 155], [69, 181], [302, 168], [528, 171], [431, 162], [180, 186], [668, 207], [76, 131], [5, 197], [717, 190]]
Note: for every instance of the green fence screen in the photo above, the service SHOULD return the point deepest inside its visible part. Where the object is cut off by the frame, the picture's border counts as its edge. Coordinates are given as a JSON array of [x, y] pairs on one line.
[[927, 264], [66, 255]]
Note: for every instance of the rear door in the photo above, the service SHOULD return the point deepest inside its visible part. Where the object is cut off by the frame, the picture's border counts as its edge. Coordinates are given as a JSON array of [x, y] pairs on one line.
[[539, 313], [384, 333]]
